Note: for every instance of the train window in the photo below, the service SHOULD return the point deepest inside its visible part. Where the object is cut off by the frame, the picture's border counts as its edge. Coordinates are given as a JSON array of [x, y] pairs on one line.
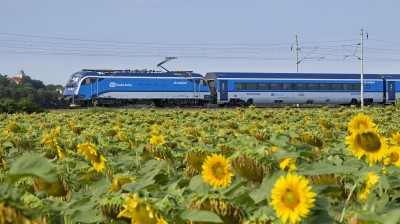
[[356, 86], [287, 86], [324, 86], [276, 86], [88, 81], [203, 82], [312, 86], [252, 86], [263, 86], [301, 86], [73, 80], [336, 86], [239, 86], [348, 86]]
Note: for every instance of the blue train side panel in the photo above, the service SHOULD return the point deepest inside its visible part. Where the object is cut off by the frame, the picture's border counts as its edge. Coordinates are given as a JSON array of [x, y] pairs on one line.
[[302, 88]]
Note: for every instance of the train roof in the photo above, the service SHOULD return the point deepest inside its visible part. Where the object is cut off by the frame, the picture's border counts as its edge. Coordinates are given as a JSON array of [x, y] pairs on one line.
[[392, 76], [244, 75], [138, 73]]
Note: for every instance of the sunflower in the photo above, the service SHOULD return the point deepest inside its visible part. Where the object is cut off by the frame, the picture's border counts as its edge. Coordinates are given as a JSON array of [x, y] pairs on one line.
[[360, 123], [395, 139], [5, 132], [288, 164], [53, 143], [393, 156], [140, 212], [91, 154], [371, 179], [292, 198], [369, 144], [56, 132], [250, 168], [118, 182], [217, 171], [155, 128], [218, 205], [157, 140]]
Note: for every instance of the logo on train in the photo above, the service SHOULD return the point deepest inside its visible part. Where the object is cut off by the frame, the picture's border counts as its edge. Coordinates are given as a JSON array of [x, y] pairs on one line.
[[179, 83], [115, 84]]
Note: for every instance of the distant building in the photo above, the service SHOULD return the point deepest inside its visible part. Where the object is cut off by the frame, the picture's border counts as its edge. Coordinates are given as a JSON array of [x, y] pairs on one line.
[[18, 78], [60, 90]]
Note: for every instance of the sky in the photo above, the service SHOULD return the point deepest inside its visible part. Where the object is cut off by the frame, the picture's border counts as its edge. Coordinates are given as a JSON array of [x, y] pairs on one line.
[[52, 39]]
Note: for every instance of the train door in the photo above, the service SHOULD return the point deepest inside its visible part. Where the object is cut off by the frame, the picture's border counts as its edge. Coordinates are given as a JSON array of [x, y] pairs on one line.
[[94, 86], [196, 84], [223, 87], [391, 90]]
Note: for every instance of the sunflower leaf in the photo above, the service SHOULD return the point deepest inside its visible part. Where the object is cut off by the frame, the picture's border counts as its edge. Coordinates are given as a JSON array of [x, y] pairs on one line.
[[32, 165], [200, 216], [264, 191], [324, 168]]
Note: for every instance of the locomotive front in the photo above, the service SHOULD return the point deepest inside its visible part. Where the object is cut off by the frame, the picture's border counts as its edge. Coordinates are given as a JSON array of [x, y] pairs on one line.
[[71, 88]]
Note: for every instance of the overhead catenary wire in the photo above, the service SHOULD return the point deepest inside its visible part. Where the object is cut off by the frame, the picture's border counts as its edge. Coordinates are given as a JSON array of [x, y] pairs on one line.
[[332, 50]]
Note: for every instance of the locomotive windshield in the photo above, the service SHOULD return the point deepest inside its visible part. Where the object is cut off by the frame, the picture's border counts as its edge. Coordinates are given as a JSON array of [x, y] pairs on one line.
[[73, 80]]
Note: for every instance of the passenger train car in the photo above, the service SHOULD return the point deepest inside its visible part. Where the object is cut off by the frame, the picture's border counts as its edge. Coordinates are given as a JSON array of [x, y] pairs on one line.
[[301, 88], [122, 87]]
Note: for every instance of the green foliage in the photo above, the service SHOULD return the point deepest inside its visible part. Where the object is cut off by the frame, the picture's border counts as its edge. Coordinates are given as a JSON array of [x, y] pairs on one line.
[[166, 179], [22, 106], [32, 165], [29, 96], [397, 104]]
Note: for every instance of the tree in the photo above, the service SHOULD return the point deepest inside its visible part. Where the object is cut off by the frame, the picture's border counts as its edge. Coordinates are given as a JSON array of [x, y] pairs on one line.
[[4, 80]]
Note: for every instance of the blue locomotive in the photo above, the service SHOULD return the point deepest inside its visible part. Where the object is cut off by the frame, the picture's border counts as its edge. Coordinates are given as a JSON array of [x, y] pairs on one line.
[[122, 87]]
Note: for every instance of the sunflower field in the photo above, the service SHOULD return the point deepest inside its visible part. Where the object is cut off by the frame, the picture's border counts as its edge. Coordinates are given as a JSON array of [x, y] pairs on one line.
[[236, 165]]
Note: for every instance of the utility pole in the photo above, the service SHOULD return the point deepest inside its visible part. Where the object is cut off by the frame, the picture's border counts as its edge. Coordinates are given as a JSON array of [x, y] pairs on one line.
[[362, 69], [297, 56]]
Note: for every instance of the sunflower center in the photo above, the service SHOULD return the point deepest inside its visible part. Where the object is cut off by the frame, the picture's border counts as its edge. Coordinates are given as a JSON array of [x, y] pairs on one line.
[[369, 141], [219, 172], [394, 157], [290, 199]]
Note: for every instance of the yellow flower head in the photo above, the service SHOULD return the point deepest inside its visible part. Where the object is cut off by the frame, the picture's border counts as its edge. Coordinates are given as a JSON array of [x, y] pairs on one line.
[[395, 139], [56, 132], [5, 132], [140, 212], [155, 128], [90, 152], [118, 182], [369, 144], [288, 164], [393, 156], [360, 123], [371, 179], [53, 143], [157, 140], [292, 198], [217, 171], [274, 148]]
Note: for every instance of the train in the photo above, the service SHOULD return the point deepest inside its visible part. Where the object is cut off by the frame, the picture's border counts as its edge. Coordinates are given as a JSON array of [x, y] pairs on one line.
[[186, 88]]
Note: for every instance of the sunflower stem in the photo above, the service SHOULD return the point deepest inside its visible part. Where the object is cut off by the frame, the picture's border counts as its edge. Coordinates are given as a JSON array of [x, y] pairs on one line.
[[347, 202], [273, 156]]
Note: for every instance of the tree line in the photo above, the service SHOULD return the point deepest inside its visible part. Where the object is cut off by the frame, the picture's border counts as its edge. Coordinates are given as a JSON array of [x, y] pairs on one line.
[[28, 96]]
